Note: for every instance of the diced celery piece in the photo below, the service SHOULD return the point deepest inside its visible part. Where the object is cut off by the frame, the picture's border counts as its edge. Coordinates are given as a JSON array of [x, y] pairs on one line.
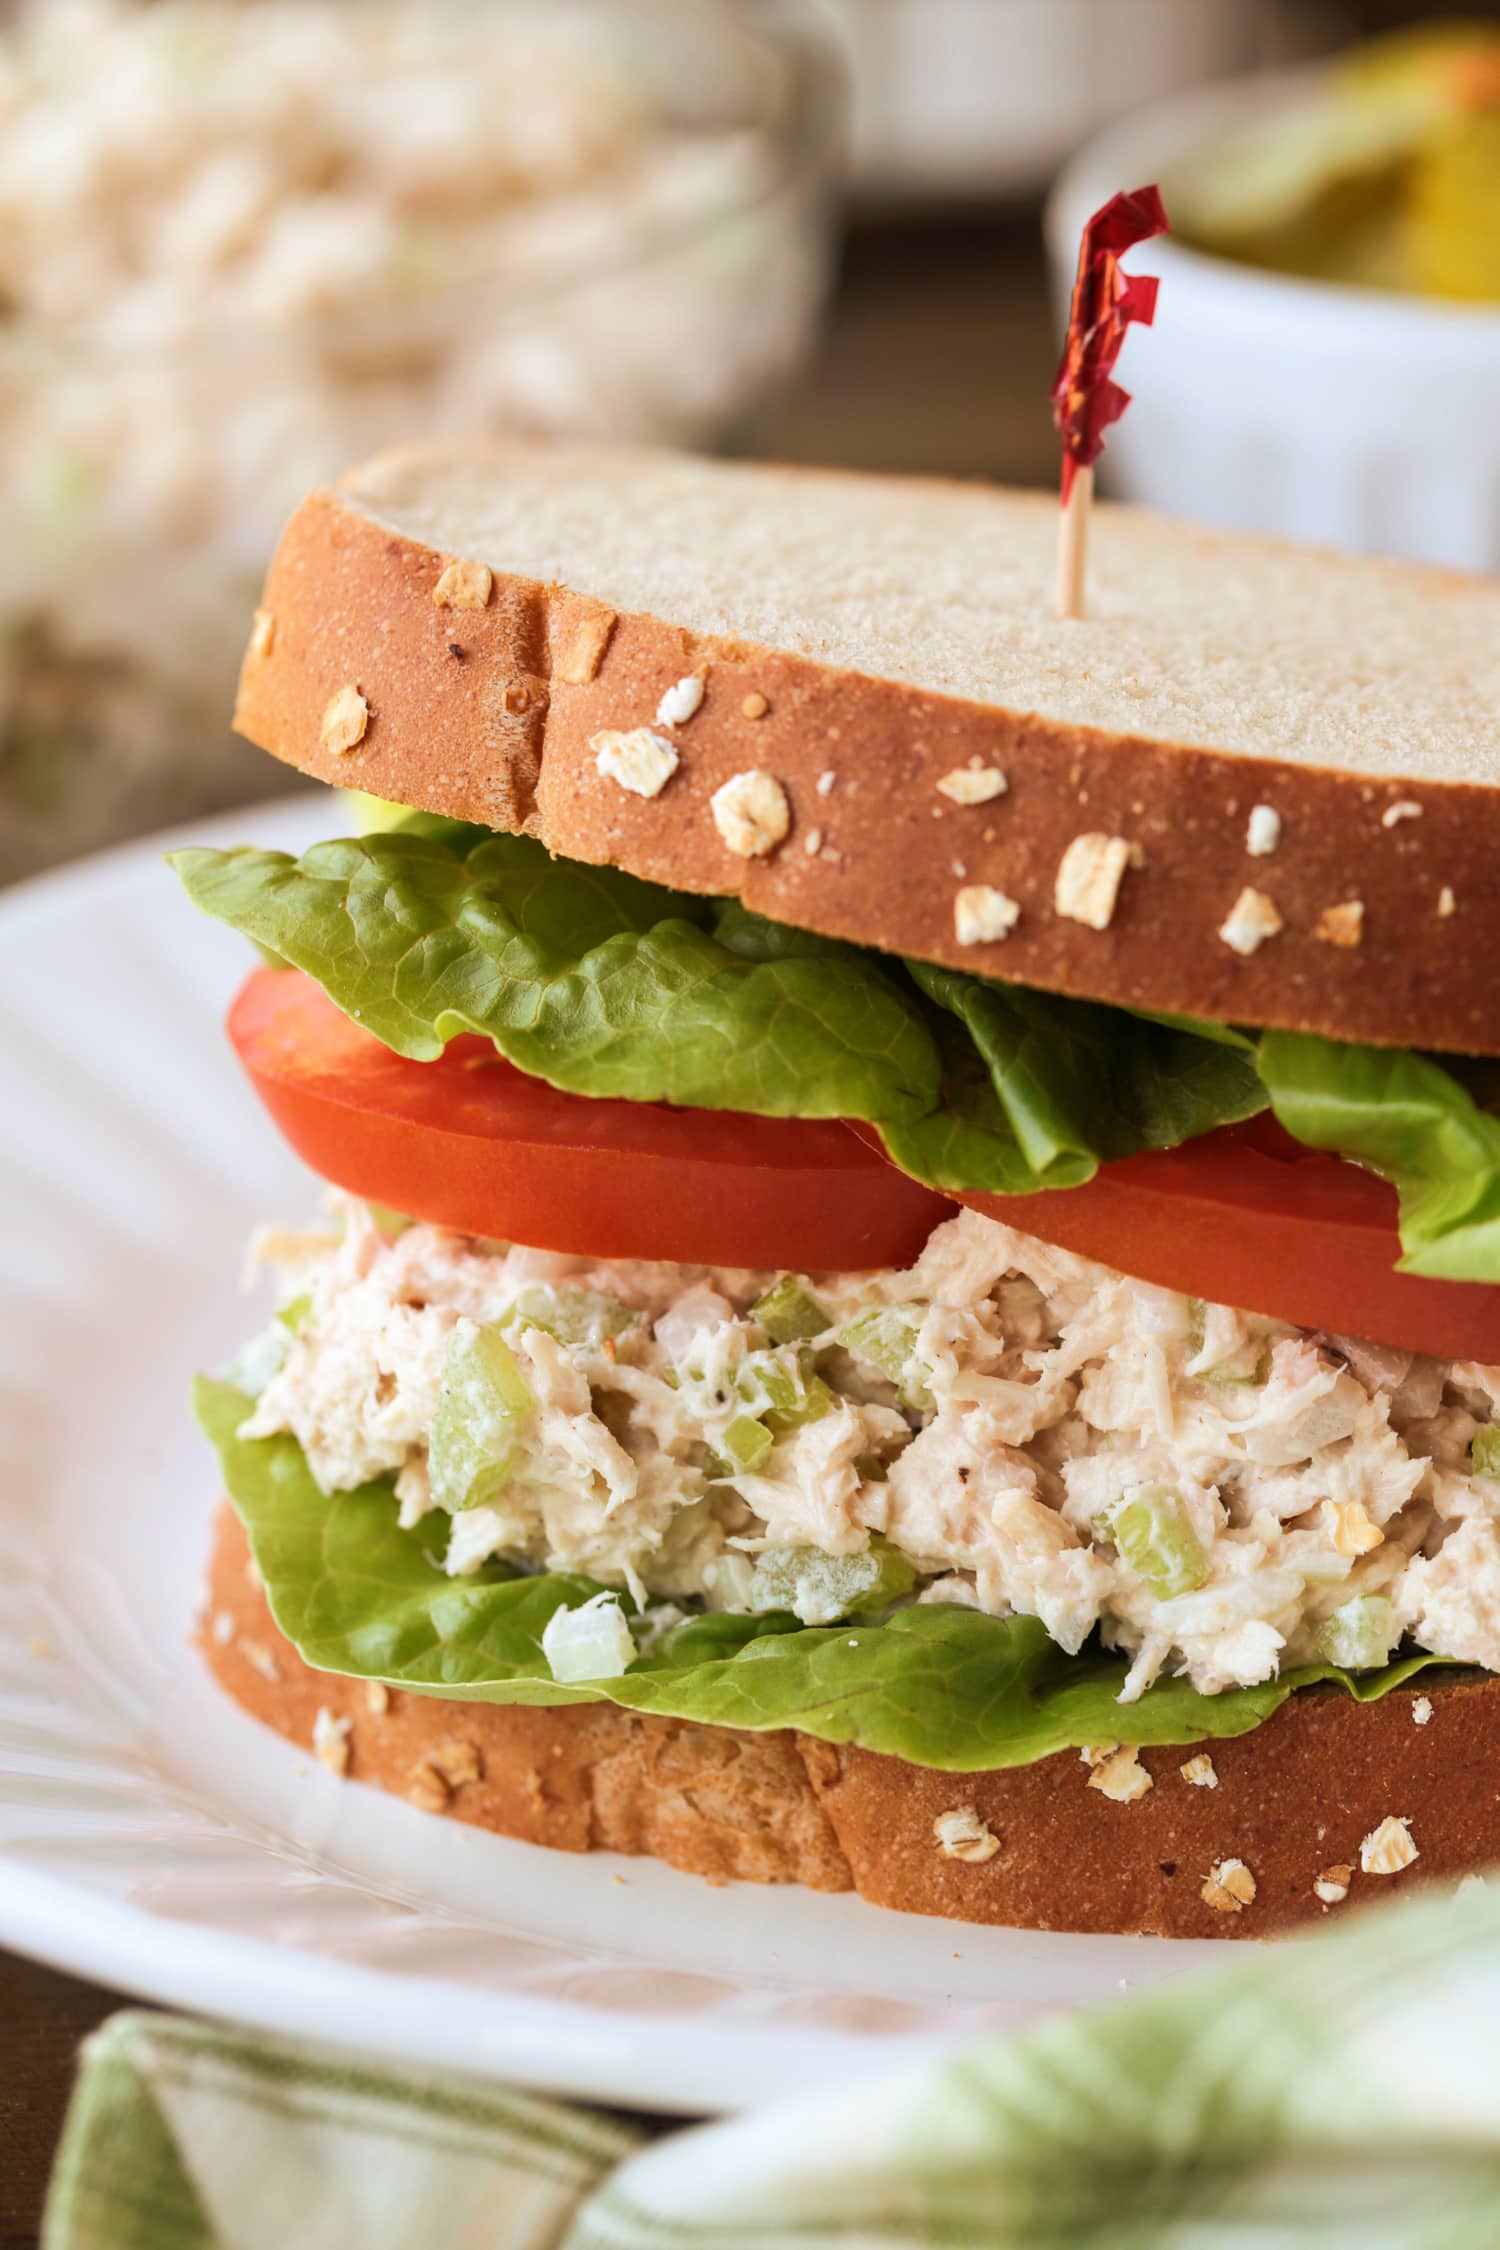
[[1486, 1451], [886, 1336], [294, 1315], [592, 1642], [1155, 1535], [746, 1444], [814, 1401], [782, 1396], [573, 1316], [764, 1380], [482, 1412], [820, 1397], [1359, 1635], [819, 1589], [790, 1314]]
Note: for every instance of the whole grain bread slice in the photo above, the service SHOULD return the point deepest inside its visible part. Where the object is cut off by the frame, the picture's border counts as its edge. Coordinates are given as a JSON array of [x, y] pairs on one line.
[[1329, 1803], [1257, 783]]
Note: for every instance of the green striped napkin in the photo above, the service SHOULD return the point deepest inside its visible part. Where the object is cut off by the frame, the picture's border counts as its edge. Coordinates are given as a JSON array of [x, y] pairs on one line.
[[1341, 2093]]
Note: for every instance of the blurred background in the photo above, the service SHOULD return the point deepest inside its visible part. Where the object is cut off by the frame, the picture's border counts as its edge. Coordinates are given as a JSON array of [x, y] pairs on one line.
[[244, 242]]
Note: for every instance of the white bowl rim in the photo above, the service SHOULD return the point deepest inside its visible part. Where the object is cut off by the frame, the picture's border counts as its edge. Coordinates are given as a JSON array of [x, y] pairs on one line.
[[1151, 140]]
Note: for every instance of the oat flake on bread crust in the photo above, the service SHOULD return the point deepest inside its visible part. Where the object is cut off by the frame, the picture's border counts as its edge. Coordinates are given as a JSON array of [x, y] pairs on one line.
[[1345, 686]]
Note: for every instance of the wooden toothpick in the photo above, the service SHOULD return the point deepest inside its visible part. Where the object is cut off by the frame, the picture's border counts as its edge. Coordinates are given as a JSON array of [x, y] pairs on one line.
[[1073, 544]]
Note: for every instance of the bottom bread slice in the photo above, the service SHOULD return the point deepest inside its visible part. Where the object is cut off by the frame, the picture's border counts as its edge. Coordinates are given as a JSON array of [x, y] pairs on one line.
[[1328, 1803]]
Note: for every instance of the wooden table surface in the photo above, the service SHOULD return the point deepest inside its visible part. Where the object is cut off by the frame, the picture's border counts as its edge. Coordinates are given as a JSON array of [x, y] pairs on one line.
[[937, 358]]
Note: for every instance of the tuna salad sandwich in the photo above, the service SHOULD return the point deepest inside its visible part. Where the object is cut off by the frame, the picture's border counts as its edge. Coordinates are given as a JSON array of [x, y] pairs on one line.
[[908, 1293]]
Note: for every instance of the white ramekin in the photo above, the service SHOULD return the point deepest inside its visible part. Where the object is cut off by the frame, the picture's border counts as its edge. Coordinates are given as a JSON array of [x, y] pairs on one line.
[[1269, 403]]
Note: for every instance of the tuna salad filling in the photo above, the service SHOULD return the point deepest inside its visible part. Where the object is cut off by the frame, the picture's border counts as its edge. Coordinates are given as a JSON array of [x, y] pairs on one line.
[[1003, 1426]]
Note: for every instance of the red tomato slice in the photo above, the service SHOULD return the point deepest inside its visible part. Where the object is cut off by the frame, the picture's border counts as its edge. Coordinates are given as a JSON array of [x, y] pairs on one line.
[[470, 1142], [1247, 1216]]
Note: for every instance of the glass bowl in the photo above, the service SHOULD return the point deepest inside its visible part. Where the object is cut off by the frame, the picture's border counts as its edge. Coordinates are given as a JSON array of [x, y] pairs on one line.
[[250, 244]]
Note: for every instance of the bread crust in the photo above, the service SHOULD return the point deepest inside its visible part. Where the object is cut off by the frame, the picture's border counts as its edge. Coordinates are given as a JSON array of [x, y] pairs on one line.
[[487, 714], [1292, 1800]]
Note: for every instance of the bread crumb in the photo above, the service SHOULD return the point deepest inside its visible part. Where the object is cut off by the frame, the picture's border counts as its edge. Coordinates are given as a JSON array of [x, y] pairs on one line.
[[681, 701], [814, 842], [1333, 1884], [1341, 925], [1349, 1527], [1263, 832], [1121, 1778], [1250, 921], [223, 1628], [458, 1761], [463, 585], [973, 784], [580, 659], [635, 758], [377, 1698], [1405, 808], [1095, 1753], [1421, 1711], [751, 813], [1230, 1887], [961, 1834], [426, 1788], [825, 781], [1088, 879], [346, 715], [260, 1659], [1200, 1771], [755, 705], [1388, 1848], [330, 1741], [983, 915], [262, 634], [1447, 903]]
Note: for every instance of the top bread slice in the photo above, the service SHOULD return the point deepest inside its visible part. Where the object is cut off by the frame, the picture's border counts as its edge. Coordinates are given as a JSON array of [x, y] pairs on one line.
[[1232, 716]]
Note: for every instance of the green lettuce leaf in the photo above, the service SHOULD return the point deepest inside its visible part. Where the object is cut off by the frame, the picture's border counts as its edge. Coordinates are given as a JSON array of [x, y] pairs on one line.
[[943, 1687], [606, 985], [1413, 1122]]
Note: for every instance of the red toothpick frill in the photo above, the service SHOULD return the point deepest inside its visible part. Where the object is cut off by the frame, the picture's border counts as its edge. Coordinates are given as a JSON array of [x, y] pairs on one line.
[[1085, 397], [1106, 299]]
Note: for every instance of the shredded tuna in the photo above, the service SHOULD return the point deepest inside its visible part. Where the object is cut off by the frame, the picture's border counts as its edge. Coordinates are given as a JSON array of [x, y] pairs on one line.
[[1041, 1396]]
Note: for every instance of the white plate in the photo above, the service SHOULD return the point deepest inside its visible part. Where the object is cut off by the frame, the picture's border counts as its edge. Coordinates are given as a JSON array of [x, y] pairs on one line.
[[153, 1836]]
